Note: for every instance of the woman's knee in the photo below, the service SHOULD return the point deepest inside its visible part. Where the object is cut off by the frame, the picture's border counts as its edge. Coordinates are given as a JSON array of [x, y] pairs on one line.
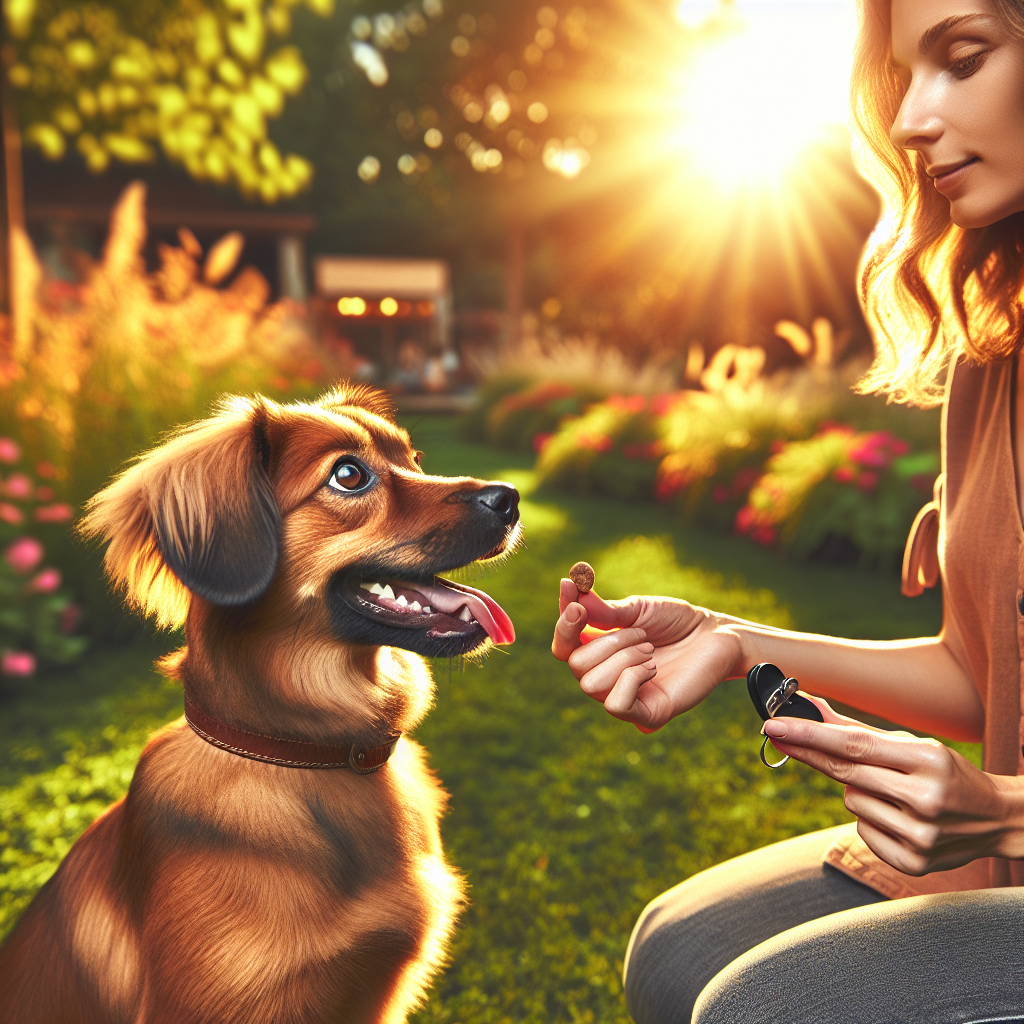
[[878, 964]]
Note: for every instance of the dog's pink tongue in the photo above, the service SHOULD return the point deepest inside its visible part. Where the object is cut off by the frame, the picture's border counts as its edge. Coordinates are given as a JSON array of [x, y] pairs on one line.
[[449, 597]]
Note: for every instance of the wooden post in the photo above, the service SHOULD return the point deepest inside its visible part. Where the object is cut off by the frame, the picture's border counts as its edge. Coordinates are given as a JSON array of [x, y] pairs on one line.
[[14, 192]]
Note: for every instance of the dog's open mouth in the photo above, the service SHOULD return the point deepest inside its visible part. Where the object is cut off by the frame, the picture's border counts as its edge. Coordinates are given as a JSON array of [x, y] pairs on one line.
[[444, 609], [436, 618]]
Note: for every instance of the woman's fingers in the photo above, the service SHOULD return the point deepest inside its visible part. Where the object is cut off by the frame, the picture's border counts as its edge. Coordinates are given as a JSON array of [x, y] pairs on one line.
[[623, 701], [854, 743], [567, 594], [600, 680], [567, 631], [610, 614], [583, 659]]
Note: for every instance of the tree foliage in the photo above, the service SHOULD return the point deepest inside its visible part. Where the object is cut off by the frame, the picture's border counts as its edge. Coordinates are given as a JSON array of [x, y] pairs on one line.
[[195, 79]]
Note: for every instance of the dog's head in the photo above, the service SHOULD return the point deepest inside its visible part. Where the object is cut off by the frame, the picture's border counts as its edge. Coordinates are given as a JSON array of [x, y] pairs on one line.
[[322, 502]]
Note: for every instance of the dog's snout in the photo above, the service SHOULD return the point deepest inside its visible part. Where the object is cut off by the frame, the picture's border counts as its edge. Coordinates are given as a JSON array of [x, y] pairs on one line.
[[502, 500]]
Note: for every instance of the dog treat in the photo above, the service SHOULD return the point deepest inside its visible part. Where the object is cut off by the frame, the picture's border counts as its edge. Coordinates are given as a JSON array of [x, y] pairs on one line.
[[583, 576]]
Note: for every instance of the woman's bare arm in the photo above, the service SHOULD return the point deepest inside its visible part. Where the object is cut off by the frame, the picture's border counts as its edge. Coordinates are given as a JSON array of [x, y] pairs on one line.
[[666, 656], [918, 684]]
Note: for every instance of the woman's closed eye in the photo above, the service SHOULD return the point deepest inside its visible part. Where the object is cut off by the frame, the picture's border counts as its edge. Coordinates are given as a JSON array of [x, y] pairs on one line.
[[963, 66]]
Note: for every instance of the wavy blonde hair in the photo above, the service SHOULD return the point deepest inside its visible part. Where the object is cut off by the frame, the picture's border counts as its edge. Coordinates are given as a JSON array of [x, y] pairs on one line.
[[929, 289]]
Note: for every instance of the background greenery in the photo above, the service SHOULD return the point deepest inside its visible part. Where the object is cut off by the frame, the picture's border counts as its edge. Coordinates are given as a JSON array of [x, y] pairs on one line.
[[565, 821]]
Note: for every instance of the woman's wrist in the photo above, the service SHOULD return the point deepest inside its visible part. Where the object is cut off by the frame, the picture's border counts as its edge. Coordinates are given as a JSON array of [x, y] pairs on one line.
[[1010, 789]]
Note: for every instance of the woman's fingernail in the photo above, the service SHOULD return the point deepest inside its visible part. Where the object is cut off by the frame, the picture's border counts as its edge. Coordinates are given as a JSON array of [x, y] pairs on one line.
[[646, 648], [572, 616], [775, 728]]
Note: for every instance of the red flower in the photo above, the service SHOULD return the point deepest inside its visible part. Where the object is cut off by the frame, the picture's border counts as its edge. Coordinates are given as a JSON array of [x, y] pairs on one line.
[[631, 403], [744, 481], [844, 474], [10, 513], [594, 442], [541, 441], [70, 616]]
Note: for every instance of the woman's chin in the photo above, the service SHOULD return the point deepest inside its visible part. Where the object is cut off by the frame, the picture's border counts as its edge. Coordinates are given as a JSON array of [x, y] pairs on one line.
[[980, 211]]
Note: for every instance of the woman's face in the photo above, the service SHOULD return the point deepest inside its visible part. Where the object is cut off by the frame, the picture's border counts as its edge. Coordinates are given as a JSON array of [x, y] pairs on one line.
[[963, 106]]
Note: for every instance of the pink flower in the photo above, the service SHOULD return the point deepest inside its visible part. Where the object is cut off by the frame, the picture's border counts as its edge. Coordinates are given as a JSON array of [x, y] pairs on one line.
[[867, 481], [844, 474], [17, 663], [10, 513], [46, 582], [18, 486], [9, 451], [24, 554], [53, 514]]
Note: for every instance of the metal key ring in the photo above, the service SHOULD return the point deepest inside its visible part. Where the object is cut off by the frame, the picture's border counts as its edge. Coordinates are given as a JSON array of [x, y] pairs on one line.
[[766, 762]]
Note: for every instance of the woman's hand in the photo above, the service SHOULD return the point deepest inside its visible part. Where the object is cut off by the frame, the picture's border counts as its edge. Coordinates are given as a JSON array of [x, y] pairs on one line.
[[664, 656], [920, 806]]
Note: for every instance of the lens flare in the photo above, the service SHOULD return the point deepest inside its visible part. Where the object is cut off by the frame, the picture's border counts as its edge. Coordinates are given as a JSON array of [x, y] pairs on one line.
[[760, 96]]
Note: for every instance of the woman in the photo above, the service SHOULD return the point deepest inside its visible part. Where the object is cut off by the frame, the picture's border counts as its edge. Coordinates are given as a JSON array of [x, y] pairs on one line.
[[913, 914]]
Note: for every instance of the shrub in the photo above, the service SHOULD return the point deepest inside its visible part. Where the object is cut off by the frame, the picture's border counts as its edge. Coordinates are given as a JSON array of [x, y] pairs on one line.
[[854, 492], [37, 617]]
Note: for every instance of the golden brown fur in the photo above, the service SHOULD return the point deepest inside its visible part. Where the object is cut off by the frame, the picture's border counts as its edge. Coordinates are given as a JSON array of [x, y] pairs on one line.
[[223, 889]]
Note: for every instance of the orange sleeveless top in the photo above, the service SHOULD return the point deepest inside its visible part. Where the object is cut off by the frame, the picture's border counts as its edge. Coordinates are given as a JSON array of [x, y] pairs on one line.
[[970, 536]]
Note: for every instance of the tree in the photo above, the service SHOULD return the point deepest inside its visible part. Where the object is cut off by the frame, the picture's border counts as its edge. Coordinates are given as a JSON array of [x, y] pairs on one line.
[[195, 79]]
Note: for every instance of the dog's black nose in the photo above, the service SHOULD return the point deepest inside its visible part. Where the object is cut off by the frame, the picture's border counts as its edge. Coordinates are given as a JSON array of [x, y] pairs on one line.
[[502, 499]]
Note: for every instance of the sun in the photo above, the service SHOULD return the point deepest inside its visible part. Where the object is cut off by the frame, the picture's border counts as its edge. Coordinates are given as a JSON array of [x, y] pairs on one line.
[[767, 88]]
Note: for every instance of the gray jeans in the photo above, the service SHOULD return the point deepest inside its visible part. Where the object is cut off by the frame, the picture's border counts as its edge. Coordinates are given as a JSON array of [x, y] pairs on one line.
[[777, 937]]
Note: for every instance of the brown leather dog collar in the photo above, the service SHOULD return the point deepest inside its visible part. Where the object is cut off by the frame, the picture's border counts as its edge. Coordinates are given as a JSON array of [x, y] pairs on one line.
[[288, 753]]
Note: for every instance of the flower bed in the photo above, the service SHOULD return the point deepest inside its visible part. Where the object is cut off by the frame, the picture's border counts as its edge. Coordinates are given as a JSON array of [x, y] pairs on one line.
[[766, 460]]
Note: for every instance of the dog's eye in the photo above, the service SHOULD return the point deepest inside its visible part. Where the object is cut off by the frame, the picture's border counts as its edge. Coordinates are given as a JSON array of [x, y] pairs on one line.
[[417, 457], [350, 476]]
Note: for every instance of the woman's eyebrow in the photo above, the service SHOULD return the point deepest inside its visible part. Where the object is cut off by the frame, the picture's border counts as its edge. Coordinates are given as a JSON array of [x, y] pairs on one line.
[[938, 30]]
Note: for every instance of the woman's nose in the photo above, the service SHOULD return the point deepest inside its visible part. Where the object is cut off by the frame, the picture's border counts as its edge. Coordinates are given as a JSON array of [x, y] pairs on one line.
[[917, 123]]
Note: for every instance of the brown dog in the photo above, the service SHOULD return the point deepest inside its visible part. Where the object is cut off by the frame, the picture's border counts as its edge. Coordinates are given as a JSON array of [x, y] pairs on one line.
[[260, 870]]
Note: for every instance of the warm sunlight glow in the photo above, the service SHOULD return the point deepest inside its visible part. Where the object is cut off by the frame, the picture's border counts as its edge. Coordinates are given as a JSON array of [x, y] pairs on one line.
[[759, 96]]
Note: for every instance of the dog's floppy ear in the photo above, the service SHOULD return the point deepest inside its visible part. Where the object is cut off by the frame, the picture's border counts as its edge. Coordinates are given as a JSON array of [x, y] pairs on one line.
[[195, 515]]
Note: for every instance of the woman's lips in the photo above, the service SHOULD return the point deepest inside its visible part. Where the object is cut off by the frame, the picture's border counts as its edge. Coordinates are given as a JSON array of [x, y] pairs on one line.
[[950, 180]]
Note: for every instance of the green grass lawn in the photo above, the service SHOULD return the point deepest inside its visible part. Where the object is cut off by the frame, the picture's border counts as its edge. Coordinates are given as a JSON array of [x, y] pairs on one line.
[[565, 821]]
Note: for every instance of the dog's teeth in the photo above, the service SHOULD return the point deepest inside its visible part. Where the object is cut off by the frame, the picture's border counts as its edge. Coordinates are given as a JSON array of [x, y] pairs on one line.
[[415, 606], [368, 586], [466, 615], [427, 610], [401, 600], [388, 592], [376, 588]]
